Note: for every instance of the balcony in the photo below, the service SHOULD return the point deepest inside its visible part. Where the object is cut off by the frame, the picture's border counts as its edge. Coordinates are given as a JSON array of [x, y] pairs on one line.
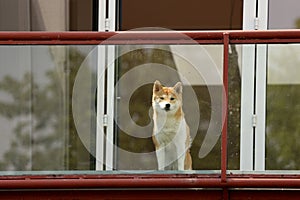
[[245, 159]]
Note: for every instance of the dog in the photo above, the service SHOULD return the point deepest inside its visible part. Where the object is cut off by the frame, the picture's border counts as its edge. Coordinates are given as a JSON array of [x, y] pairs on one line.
[[171, 135]]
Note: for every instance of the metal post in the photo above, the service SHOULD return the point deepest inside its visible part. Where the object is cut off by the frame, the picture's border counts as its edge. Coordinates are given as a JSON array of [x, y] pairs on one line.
[[224, 109]]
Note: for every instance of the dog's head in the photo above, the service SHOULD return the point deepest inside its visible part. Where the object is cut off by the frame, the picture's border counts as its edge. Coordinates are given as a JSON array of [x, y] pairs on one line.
[[166, 99]]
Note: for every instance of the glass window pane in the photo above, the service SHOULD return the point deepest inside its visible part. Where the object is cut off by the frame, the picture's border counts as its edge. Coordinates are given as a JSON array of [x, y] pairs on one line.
[[291, 17], [48, 103], [36, 91], [199, 67], [15, 108], [283, 108], [282, 91], [234, 107]]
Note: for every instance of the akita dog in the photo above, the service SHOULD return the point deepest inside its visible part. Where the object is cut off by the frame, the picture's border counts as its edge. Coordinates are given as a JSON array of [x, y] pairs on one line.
[[171, 135]]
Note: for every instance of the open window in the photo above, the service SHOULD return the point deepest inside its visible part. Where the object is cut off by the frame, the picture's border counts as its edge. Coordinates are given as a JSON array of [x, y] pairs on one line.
[[127, 114]]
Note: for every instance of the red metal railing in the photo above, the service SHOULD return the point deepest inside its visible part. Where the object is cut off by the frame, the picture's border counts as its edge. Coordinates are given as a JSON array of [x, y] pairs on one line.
[[224, 109], [155, 181], [223, 180], [215, 37]]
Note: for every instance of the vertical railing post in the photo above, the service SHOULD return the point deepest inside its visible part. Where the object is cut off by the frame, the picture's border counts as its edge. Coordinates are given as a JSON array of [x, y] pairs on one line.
[[224, 108]]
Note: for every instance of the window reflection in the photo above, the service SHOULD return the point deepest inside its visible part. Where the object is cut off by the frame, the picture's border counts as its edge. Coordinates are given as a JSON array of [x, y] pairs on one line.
[[44, 15], [35, 111]]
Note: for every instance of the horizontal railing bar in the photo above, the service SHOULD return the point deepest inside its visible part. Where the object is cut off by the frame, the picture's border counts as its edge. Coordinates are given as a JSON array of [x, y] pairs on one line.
[[140, 181], [202, 37]]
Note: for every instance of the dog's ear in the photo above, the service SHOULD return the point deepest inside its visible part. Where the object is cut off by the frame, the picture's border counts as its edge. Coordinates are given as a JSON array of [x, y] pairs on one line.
[[157, 86], [178, 87]]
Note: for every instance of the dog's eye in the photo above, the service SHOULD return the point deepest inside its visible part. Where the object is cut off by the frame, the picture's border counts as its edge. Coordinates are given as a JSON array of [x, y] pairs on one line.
[[162, 98], [172, 98]]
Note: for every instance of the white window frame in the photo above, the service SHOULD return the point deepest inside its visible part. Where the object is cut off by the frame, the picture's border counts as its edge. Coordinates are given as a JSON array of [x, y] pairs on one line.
[[105, 116], [247, 90], [253, 98], [261, 82]]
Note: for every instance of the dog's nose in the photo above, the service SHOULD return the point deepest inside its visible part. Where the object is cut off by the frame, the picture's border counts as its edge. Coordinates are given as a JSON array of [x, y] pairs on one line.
[[168, 105]]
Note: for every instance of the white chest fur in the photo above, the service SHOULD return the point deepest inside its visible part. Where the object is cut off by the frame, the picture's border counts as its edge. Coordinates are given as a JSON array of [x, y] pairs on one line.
[[171, 137], [170, 130]]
